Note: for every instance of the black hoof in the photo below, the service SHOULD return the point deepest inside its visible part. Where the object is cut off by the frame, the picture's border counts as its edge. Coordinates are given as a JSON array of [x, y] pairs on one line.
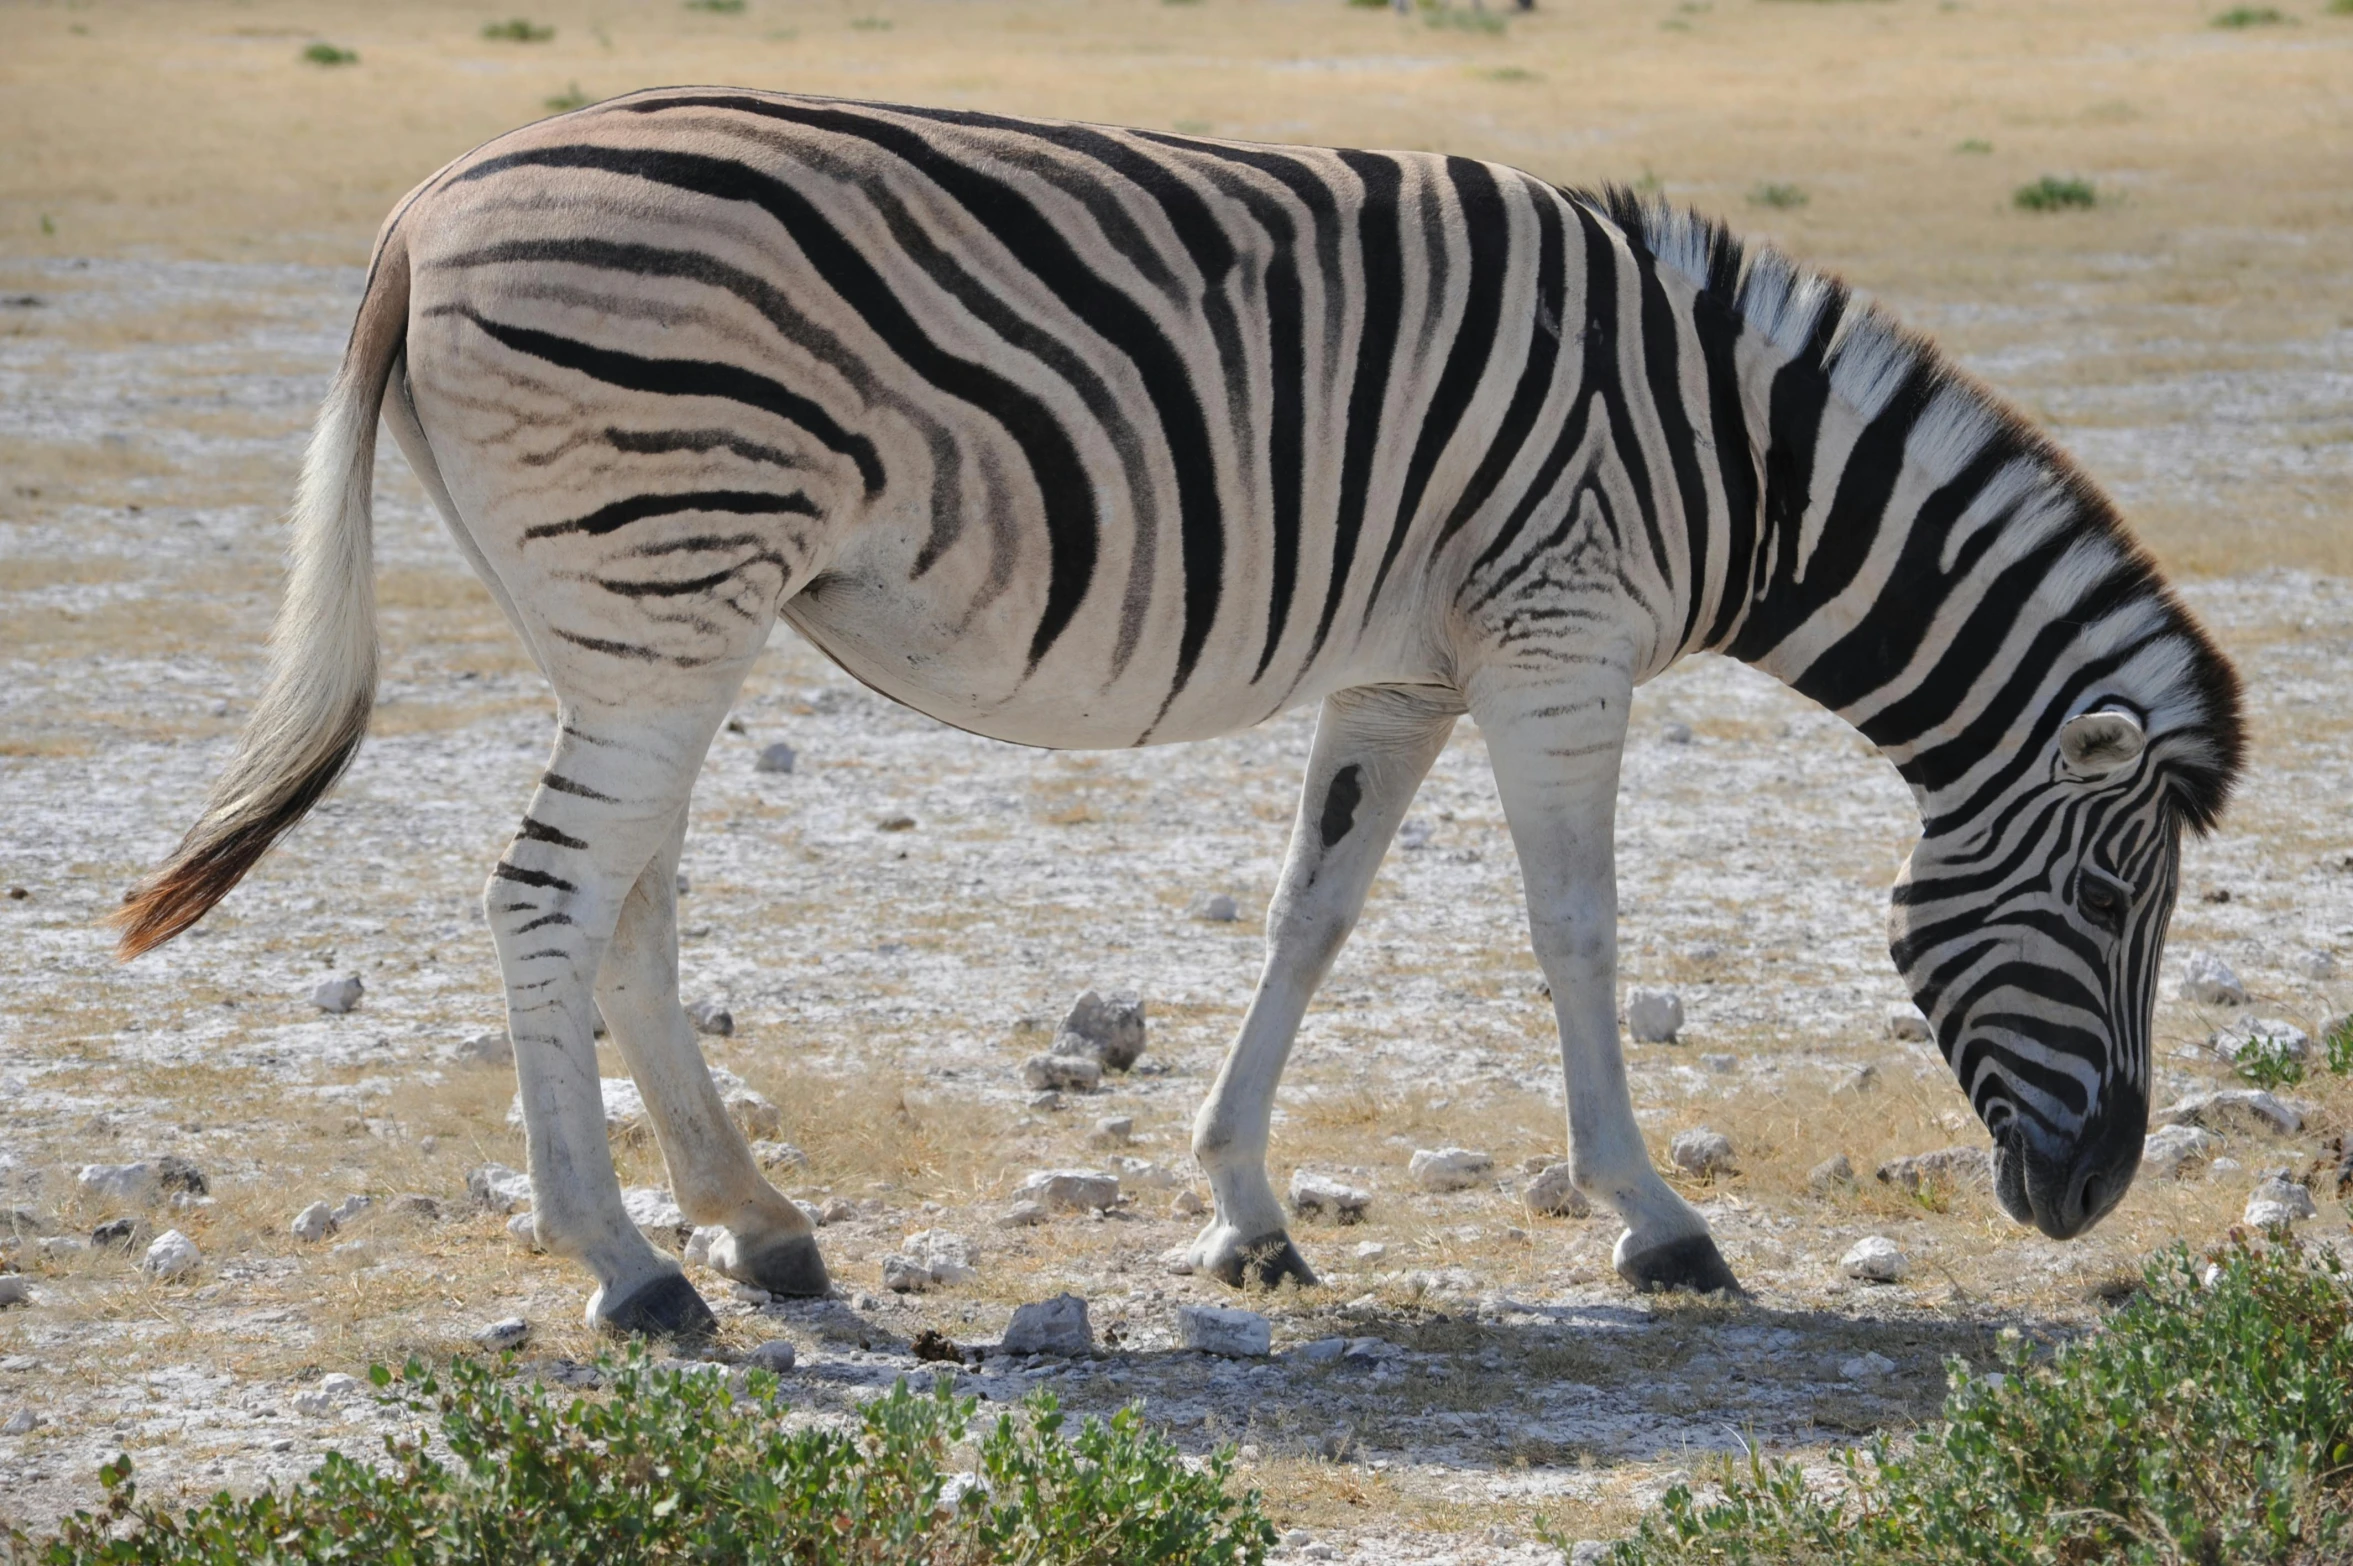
[[788, 1267], [1692, 1263], [1264, 1263], [668, 1307]]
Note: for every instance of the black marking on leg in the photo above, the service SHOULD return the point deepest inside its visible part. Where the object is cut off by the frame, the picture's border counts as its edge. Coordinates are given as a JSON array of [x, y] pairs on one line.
[[668, 1307], [791, 1267], [1340, 803], [1264, 1263], [507, 872], [1689, 1263], [564, 785], [541, 832]]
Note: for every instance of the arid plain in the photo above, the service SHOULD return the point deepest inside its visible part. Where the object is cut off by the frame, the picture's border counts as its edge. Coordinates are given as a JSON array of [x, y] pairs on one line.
[[185, 204]]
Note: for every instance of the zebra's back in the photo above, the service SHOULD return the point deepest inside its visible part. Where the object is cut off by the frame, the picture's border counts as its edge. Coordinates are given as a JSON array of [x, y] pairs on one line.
[[1070, 435]]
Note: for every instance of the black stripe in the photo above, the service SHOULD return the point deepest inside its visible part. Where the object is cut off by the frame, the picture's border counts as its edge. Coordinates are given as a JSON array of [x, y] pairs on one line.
[[1527, 400], [637, 508], [1601, 301], [564, 785], [690, 378], [1063, 485], [1793, 428], [1486, 228], [1662, 367], [536, 831], [1381, 248], [522, 877]]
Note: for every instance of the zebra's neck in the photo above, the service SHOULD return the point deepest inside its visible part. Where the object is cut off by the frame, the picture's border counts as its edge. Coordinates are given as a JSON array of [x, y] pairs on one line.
[[1919, 559]]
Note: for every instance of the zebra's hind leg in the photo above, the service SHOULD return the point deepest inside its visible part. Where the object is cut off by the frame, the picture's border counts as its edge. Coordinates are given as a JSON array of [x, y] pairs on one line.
[[610, 799], [1372, 748], [1556, 751], [769, 1241]]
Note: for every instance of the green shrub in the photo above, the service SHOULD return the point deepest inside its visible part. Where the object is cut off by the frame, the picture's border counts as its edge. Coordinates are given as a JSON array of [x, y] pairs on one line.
[[2267, 1062], [328, 54], [673, 1467], [569, 99], [2340, 7], [1975, 146], [517, 30], [1463, 19], [2203, 1422], [723, 7], [1782, 196], [2336, 1038], [2252, 16], [2052, 194]]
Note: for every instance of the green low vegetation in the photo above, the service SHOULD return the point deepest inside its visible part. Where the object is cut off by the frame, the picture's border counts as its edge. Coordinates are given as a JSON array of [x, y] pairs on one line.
[[723, 7], [2053, 194], [569, 99], [2252, 16], [517, 30], [328, 54], [1783, 197], [2210, 1420], [1975, 146], [670, 1466]]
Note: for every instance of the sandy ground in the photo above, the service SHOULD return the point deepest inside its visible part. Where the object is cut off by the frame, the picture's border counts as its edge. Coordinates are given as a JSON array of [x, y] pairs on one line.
[[156, 374]]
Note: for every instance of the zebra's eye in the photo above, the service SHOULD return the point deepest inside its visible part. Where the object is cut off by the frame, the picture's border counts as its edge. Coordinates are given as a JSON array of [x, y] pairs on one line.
[[2102, 898]]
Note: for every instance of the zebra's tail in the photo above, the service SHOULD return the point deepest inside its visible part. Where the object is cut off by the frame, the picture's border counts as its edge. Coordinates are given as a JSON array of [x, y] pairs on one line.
[[322, 683]]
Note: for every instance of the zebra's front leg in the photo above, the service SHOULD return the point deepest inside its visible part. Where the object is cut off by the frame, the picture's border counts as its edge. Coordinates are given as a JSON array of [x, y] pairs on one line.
[[769, 1241], [1556, 754], [1373, 746], [611, 795]]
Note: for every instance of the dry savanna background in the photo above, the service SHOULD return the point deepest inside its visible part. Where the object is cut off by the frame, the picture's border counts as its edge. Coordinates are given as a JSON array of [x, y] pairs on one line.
[[188, 189]]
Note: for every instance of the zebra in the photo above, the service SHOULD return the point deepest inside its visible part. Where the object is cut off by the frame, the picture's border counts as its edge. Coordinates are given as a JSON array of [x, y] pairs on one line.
[[1077, 436]]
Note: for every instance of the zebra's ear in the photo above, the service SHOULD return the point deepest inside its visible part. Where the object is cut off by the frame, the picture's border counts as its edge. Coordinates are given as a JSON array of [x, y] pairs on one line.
[[2094, 744]]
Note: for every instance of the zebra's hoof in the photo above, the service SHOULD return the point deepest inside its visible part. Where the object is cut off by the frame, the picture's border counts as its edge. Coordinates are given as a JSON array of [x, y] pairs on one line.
[[1262, 1263], [668, 1307], [788, 1266], [1690, 1263]]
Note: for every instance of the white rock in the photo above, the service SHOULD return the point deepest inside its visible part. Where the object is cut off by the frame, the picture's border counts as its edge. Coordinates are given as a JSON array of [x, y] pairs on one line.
[[1449, 1168], [2217, 1111], [840, 1210], [1370, 1250], [488, 1049], [15, 1289], [1722, 1065], [2207, 979], [1051, 1073], [699, 1243], [1947, 1167], [2222, 1169], [524, 1231], [1676, 733], [1858, 1082], [2277, 1202], [711, 1019], [1324, 1351], [1875, 1260], [1022, 1215], [1071, 1190], [1830, 1174], [1906, 1023], [1319, 1196], [1216, 1329], [1141, 1174], [1554, 1194], [498, 1189], [351, 1207], [506, 1333], [905, 1274], [1055, 1326], [931, 1259], [1702, 1152], [656, 1214], [1108, 1029], [1414, 834], [750, 1294], [1867, 1367], [121, 1182], [2168, 1148], [1113, 1131], [2317, 964], [775, 1356], [314, 1223], [1214, 908], [1187, 1204], [2266, 1035], [1653, 1016], [778, 757], [779, 1155], [23, 1422], [338, 995], [173, 1255]]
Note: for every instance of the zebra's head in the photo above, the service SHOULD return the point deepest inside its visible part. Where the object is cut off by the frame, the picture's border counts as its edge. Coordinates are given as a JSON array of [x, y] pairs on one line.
[[2030, 936]]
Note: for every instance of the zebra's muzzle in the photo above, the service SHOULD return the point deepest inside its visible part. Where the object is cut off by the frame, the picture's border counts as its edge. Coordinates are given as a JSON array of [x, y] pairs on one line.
[[2064, 1196]]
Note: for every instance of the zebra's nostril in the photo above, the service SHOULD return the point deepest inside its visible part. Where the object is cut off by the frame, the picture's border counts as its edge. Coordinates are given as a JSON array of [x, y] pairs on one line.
[[2087, 1200]]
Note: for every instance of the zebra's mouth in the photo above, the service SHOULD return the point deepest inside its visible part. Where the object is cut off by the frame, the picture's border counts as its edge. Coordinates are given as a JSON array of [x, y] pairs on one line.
[[2010, 1175]]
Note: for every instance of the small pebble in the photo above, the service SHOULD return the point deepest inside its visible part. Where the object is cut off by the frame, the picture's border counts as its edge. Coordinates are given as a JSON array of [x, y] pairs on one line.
[[1554, 1194], [1876, 1259], [1113, 1131], [1449, 1168], [1867, 1367], [23, 1422], [313, 1223], [1676, 733], [15, 1289], [1702, 1152], [1055, 1326], [775, 1356], [1653, 1016], [895, 823], [1214, 908], [338, 996], [173, 1255], [504, 1334], [1187, 1204], [1834, 1173], [1233, 1333], [1906, 1023], [779, 757], [711, 1019]]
